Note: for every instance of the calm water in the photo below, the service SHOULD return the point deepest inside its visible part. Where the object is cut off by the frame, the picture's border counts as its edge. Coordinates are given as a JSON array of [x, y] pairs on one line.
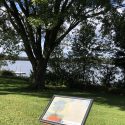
[[19, 66]]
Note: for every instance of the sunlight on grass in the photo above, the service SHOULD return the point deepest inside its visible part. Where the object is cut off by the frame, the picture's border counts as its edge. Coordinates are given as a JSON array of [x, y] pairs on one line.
[[24, 108], [20, 109]]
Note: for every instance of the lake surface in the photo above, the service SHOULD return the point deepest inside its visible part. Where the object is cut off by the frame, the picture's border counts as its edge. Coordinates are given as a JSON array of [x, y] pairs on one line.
[[19, 66]]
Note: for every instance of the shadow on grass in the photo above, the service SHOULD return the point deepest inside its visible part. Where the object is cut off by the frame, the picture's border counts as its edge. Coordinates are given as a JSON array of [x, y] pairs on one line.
[[21, 87]]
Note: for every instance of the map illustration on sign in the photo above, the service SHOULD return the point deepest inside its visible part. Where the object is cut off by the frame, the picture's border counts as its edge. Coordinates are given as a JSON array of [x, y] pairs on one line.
[[67, 111]]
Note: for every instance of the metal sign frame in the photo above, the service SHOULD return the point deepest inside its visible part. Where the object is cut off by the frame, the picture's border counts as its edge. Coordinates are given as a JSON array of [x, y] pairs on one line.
[[55, 123]]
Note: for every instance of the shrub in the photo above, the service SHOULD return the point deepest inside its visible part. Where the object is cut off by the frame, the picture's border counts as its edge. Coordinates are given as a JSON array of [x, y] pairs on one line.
[[7, 73]]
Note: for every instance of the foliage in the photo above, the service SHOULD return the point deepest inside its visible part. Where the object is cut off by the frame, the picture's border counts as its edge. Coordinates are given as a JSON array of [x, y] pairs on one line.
[[2, 63], [109, 72], [7, 73], [55, 74], [90, 62], [9, 39], [73, 69], [114, 28]]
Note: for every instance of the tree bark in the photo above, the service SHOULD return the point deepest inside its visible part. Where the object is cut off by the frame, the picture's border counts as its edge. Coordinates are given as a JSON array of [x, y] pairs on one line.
[[39, 72]]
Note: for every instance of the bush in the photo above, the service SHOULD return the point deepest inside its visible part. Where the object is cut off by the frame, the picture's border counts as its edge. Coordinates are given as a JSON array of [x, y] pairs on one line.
[[7, 73], [118, 91]]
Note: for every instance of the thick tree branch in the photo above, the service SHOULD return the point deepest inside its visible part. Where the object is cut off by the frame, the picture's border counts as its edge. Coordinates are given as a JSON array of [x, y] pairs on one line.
[[20, 29], [57, 6], [22, 8], [72, 26], [30, 33], [91, 10], [64, 5], [95, 14], [27, 5], [38, 42], [69, 5], [51, 36]]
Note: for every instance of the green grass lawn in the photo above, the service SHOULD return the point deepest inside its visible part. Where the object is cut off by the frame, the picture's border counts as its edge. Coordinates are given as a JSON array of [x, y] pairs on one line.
[[20, 106]]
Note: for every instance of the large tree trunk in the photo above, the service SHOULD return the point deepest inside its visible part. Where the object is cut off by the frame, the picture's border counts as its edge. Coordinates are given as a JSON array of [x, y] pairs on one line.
[[39, 72]]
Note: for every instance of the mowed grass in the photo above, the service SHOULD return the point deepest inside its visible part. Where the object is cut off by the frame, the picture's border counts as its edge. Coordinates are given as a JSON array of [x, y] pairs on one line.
[[20, 106]]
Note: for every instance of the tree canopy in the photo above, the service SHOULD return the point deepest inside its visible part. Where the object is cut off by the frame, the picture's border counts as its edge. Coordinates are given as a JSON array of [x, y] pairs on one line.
[[40, 25]]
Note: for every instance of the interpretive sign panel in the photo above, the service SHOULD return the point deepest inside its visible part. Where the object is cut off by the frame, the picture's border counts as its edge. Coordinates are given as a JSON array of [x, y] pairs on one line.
[[65, 110]]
